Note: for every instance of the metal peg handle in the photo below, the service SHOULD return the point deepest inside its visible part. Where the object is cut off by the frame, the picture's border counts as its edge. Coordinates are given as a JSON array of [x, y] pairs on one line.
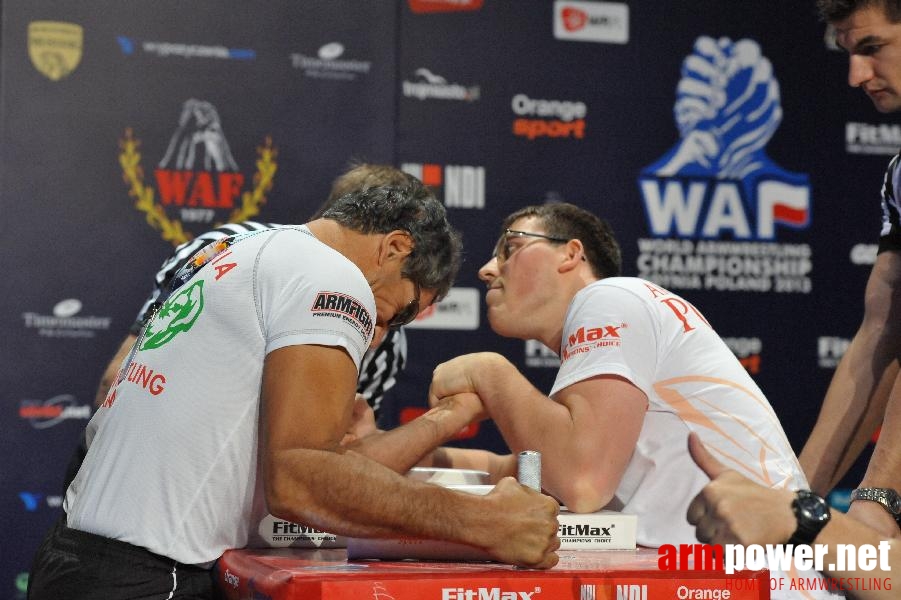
[[529, 469]]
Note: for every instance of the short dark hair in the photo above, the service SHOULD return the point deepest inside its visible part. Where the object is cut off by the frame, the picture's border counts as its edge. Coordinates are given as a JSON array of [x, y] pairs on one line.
[[435, 259], [362, 176], [838, 10], [564, 220]]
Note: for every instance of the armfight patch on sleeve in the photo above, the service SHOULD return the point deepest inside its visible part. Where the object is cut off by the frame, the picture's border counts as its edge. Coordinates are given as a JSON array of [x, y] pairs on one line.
[[348, 308]]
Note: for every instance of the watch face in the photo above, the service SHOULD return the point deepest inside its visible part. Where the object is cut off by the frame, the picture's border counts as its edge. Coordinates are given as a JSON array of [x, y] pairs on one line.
[[813, 508], [895, 503]]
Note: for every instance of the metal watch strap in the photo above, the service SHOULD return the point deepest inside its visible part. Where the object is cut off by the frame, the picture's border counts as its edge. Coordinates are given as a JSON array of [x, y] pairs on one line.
[[888, 498]]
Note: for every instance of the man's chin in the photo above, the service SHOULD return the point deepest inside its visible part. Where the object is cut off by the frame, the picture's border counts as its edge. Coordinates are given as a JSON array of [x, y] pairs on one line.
[[502, 325], [886, 103], [497, 322]]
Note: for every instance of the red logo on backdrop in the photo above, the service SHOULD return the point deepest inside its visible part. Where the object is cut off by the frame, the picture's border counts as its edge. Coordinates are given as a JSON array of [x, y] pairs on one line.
[[459, 186], [411, 412], [197, 180], [433, 6], [431, 175], [574, 19]]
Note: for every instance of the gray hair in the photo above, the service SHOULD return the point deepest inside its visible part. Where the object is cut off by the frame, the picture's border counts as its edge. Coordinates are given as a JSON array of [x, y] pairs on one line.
[[435, 259]]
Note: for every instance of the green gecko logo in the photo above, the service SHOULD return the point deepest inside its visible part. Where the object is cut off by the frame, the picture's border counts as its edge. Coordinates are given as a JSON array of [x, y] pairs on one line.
[[177, 315]]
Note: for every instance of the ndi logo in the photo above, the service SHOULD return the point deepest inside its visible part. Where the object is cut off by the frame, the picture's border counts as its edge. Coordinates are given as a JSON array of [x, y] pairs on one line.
[[717, 183], [460, 186], [632, 592]]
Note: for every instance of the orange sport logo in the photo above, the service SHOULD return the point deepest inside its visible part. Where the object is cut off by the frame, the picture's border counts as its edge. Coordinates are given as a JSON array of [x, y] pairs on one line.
[[541, 118]]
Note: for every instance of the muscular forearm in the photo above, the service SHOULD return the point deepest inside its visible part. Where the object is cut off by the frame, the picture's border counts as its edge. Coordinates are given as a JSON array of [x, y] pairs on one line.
[[579, 467], [304, 487], [858, 393], [844, 530], [512, 523], [851, 410], [403, 447], [497, 466], [884, 469]]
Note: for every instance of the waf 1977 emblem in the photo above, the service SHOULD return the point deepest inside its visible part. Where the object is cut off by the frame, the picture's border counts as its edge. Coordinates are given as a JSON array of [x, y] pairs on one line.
[[197, 180]]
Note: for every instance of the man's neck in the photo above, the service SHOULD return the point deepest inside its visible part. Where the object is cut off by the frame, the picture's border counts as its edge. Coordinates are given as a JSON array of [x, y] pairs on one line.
[[359, 248]]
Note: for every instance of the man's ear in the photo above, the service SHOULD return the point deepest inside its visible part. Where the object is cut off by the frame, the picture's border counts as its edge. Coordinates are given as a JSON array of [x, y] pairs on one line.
[[396, 245], [574, 255]]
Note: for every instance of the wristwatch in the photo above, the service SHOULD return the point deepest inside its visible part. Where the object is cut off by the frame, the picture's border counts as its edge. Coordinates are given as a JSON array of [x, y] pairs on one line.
[[812, 513], [887, 497]]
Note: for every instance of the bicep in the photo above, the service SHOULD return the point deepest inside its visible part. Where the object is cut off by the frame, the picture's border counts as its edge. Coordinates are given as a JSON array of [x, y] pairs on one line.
[[607, 413], [307, 397]]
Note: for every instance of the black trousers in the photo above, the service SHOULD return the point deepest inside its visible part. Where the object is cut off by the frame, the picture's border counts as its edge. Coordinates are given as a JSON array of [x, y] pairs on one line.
[[76, 565]]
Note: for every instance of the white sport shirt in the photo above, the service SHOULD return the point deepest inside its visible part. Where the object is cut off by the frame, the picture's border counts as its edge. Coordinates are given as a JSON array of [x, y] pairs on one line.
[[658, 341], [172, 455]]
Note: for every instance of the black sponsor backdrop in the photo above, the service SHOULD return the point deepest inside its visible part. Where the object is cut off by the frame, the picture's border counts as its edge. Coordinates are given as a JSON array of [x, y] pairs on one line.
[[70, 230]]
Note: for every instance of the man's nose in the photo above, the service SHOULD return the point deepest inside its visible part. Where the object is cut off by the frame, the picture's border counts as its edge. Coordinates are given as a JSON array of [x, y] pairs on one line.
[[489, 270], [860, 70]]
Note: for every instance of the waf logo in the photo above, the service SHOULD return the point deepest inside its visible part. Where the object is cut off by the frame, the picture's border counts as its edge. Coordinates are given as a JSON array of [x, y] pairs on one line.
[[342, 305], [585, 339], [459, 186], [198, 179], [717, 180]]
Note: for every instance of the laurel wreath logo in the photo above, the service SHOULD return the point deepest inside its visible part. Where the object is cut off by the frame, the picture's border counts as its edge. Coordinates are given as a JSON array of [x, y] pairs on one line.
[[171, 229]]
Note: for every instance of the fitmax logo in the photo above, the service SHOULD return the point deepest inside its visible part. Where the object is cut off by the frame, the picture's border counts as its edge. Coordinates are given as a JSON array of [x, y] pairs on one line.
[[717, 178], [583, 530], [483, 593]]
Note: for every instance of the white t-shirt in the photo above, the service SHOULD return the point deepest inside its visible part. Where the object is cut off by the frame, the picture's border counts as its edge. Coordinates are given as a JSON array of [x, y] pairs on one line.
[[658, 341], [172, 456]]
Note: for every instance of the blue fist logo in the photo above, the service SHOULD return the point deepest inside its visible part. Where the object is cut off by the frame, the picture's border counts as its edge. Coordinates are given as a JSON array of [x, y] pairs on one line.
[[727, 109]]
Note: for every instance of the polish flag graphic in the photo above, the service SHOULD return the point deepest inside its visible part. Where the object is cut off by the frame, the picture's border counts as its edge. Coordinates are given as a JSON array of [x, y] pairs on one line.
[[783, 203]]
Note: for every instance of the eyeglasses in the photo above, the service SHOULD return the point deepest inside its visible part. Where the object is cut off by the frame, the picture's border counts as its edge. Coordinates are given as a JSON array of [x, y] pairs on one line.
[[505, 249], [407, 314]]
